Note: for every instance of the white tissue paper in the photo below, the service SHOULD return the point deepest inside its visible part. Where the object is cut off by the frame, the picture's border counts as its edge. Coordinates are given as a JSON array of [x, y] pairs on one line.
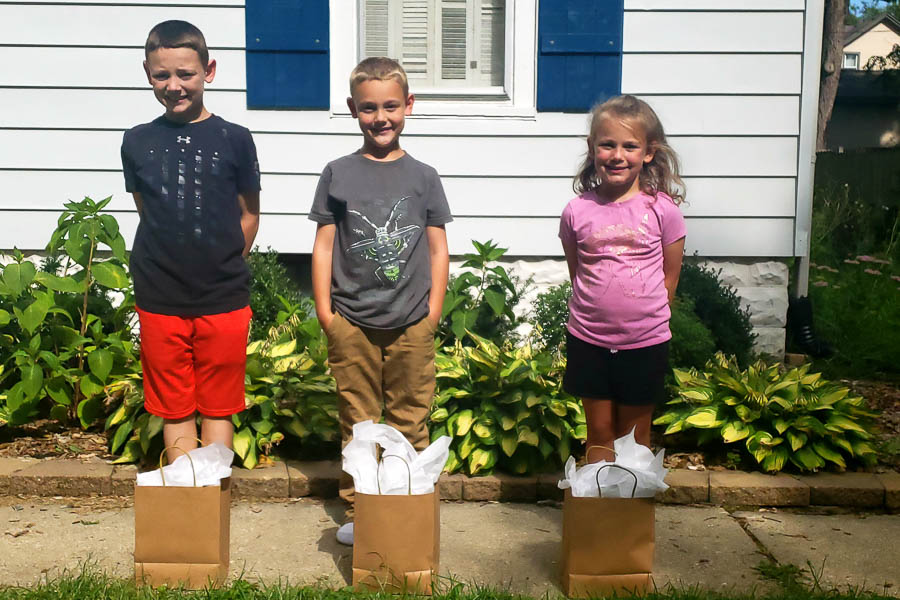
[[361, 461], [211, 463], [617, 482]]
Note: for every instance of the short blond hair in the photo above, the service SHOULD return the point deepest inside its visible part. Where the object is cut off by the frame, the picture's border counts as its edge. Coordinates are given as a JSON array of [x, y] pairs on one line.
[[379, 68]]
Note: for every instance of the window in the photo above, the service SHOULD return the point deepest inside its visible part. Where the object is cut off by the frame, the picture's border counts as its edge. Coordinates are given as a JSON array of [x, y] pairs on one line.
[[447, 47], [851, 60]]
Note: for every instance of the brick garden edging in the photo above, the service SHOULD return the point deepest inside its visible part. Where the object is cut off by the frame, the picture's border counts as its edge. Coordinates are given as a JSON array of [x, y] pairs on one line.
[[291, 479]]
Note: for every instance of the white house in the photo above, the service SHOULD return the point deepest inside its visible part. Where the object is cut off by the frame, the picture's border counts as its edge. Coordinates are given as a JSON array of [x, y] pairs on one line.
[[503, 87]]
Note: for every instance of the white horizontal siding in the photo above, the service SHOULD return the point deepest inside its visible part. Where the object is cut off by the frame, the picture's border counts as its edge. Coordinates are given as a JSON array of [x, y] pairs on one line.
[[535, 236], [121, 109], [712, 32], [468, 196], [724, 76], [81, 25], [93, 25]]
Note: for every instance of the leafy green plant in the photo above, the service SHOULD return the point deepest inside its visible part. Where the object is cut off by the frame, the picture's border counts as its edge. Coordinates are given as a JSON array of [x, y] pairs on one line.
[[692, 342], [480, 300], [289, 388], [549, 314], [719, 309], [55, 355], [856, 306], [504, 407], [270, 287], [779, 416]]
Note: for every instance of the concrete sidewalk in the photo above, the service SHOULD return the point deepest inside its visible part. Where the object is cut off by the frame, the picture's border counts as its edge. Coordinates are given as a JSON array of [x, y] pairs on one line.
[[506, 545]]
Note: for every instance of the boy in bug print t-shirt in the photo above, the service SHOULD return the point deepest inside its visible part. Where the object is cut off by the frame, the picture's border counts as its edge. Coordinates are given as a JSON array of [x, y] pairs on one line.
[[380, 266]]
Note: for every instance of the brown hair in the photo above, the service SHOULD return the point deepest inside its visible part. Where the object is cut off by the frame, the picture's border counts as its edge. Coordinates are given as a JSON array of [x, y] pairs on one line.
[[379, 68], [659, 175], [177, 34]]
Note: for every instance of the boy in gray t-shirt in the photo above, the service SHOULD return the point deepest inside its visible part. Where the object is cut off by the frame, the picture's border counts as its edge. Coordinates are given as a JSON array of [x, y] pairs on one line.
[[380, 266]]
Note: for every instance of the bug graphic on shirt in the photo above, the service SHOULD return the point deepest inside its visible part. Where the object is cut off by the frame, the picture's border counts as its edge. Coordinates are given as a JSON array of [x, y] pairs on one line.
[[386, 245]]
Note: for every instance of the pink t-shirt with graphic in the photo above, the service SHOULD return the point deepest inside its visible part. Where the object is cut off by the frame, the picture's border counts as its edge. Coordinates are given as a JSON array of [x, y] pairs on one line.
[[619, 298]]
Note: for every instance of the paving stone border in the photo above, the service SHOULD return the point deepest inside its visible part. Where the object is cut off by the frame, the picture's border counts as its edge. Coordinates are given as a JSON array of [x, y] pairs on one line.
[[292, 479]]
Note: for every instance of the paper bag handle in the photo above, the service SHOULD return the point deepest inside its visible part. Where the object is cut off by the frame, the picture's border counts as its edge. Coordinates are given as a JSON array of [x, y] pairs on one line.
[[408, 473], [165, 453], [587, 452], [634, 487]]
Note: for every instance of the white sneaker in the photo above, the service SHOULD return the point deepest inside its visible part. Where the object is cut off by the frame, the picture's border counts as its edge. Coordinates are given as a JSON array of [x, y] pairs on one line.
[[345, 534]]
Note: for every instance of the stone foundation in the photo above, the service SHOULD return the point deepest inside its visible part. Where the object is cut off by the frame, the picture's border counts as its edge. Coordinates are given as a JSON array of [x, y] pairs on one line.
[[762, 287]]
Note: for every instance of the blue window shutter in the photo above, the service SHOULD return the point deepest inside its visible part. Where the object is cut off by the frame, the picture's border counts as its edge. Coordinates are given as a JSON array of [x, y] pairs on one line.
[[287, 54], [579, 53]]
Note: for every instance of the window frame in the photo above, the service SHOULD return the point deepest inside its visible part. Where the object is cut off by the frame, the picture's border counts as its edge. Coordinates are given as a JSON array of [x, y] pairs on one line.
[[517, 100], [847, 55]]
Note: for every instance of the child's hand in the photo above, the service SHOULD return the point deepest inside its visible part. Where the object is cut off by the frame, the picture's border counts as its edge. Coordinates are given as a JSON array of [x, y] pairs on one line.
[[325, 319]]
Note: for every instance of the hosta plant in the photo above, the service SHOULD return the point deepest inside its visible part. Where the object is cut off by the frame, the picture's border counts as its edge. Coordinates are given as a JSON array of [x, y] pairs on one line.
[[774, 415], [503, 407], [289, 388]]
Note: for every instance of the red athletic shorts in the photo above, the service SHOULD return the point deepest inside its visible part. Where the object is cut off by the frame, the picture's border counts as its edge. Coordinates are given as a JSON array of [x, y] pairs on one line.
[[194, 364]]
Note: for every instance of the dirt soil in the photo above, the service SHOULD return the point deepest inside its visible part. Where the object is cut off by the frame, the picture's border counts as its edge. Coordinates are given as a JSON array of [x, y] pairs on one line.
[[49, 439]]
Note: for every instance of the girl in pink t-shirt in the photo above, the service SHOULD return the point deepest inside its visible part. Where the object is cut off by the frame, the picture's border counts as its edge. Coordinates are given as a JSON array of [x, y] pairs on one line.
[[623, 238]]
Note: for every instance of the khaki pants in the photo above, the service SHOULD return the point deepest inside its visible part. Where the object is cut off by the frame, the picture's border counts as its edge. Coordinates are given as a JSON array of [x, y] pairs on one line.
[[376, 369]]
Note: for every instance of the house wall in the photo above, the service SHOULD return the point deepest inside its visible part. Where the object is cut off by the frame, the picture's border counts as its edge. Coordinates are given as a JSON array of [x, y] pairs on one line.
[[878, 41], [726, 76]]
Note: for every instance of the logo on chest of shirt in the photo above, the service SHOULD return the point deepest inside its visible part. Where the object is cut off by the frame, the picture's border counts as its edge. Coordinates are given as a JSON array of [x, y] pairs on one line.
[[183, 139]]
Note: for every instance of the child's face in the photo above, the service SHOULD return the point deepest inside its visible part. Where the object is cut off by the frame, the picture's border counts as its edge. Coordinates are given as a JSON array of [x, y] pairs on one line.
[[178, 78], [619, 152], [381, 108]]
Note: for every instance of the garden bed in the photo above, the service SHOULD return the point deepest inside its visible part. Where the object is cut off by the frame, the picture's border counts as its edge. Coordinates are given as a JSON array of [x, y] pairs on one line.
[[49, 439]]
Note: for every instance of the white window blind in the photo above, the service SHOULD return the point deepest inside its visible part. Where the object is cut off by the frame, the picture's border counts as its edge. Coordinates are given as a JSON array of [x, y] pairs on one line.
[[442, 44]]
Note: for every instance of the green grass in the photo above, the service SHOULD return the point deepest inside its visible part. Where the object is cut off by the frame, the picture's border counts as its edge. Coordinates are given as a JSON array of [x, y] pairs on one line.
[[793, 583]]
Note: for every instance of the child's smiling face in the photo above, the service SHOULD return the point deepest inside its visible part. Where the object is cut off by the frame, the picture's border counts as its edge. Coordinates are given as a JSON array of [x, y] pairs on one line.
[[178, 77], [381, 108], [619, 151]]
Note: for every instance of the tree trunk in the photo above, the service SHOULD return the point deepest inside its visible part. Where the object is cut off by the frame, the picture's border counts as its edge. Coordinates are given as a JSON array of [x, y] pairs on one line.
[[832, 60]]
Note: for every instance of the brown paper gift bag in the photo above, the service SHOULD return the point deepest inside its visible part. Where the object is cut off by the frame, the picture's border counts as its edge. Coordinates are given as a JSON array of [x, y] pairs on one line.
[[181, 535], [396, 542], [607, 544]]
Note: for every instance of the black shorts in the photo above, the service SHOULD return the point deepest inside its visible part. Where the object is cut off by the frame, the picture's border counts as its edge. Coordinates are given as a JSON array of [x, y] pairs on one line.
[[633, 377]]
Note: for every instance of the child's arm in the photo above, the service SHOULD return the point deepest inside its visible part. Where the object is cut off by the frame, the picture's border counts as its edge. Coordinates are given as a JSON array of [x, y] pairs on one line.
[[440, 270], [672, 256], [138, 201], [321, 273], [571, 260], [249, 202]]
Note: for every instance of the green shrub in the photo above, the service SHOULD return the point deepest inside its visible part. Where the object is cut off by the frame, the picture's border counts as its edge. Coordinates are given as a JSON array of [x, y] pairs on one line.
[[856, 309], [719, 309], [779, 416], [504, 407], [692, 343], [57, 358], [270, 287], [549, 315]]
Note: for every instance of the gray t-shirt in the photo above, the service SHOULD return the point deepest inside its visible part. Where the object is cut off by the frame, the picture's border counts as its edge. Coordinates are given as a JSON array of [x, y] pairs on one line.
[[381, 271]]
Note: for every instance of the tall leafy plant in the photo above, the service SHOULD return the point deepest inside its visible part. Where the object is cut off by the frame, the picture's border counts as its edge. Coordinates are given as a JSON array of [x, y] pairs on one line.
[[480, 299], [51, 346]]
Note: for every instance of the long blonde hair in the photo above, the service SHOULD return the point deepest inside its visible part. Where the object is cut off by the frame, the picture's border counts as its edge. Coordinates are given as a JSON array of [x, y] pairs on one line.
[[659, 175]]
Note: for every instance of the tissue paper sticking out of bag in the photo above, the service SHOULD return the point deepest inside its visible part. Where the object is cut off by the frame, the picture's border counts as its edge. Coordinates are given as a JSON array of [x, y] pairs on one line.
[[211, 464], [615, 478], [392, 477]]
